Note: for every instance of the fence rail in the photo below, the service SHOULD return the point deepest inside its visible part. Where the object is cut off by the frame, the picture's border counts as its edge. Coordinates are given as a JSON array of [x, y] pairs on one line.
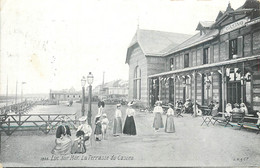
[[9, 123]]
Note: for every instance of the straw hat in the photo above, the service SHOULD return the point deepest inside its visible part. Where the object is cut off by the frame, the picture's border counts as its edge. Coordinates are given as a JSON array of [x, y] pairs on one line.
[[83, 118], [104, 115], [118, 105]]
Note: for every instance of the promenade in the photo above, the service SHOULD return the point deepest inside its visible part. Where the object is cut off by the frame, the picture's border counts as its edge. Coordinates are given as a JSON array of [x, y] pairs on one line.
[[191, 145]]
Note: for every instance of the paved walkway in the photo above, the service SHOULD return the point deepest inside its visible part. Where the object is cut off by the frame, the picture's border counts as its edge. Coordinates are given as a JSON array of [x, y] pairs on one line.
[[191, 145]]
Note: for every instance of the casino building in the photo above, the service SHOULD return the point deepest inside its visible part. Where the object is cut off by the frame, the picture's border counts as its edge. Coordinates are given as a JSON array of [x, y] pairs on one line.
[[219, 63]]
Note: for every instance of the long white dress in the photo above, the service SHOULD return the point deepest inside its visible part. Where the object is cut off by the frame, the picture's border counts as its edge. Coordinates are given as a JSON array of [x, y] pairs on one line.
[[169, 125], [158, 122], [117, 127]]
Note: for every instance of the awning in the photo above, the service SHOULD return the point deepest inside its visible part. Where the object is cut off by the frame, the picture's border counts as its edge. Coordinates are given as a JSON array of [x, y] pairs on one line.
[[218, 64]]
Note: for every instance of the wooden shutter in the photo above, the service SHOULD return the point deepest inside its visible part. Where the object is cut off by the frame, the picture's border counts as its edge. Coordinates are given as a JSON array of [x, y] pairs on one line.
[[227, 53], [211, 54], [240, 46]]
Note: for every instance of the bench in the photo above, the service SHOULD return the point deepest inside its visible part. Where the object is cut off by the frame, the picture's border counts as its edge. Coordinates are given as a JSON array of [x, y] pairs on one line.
[[248, 122]]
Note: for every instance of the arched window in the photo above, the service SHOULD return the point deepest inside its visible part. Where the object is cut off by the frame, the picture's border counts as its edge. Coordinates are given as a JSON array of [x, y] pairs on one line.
[[137, 83]]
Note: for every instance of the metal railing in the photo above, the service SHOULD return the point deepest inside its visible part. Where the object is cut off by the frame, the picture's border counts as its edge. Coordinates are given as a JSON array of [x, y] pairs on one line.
[[9, 123]]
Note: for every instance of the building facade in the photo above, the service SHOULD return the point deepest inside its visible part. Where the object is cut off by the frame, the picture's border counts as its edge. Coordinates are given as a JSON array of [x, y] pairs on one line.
[[144, 57], [220, 63]]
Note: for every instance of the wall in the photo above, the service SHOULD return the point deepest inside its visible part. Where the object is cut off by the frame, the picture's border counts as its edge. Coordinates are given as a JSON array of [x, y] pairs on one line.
[[137, 58]]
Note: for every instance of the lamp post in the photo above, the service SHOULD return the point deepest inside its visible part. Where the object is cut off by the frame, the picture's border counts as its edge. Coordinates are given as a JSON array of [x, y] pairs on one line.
[[90, 79], [83, 83]]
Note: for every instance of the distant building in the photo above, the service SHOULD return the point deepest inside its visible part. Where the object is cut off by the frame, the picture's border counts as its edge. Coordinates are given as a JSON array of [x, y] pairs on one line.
[[65, 94], [116, 87]]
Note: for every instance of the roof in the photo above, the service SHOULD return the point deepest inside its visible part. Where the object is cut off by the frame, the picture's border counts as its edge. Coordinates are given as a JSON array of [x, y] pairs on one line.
[[153, 42], [204, 24], [195, 40]]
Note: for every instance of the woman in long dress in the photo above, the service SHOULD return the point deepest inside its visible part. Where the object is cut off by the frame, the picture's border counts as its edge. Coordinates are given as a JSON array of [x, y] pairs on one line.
[[169, 125], [63, 141], [117, 127], [129, 127], [86, 129], [158, 111]]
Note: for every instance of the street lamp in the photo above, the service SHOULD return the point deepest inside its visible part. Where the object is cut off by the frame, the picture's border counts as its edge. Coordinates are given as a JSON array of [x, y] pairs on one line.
[[83, 83], [90, 79]]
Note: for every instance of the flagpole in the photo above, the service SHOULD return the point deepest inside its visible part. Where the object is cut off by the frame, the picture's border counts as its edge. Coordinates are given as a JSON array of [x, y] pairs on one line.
[[7, 92]]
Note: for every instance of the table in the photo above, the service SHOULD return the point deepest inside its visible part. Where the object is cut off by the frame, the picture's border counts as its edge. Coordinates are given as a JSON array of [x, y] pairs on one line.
[[206, 120]]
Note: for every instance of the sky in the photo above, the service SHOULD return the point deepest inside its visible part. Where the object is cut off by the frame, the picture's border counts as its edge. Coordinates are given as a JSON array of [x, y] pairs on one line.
[[51, 44]]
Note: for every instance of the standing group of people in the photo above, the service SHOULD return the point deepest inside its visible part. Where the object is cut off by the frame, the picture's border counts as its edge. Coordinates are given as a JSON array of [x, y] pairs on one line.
[[158, 121]]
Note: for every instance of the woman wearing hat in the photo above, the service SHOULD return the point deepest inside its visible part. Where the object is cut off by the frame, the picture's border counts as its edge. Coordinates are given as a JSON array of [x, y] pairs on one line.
[[169, 125], [63, 141], [243, 108], [129, 127], [117, 127], [86, 129], [158, 111]]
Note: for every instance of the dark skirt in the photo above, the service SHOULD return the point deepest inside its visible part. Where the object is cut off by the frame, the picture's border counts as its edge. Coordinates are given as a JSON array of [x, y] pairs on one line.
[[158, 122], [169, 125], [98, 129], [129, 127], [117, 128]]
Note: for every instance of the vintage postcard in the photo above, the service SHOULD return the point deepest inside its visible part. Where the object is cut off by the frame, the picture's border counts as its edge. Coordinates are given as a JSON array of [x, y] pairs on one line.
[[129, 83]]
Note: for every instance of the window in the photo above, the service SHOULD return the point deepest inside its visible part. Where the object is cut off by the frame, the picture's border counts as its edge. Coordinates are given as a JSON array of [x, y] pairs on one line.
[[186, 60], [205, 55], [137, 83], [171, 64], [232, 48]]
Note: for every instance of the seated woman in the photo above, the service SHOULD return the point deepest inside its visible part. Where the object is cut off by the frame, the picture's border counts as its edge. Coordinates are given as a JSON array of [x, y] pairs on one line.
[[228, 110], [243, 108], [215, 109], [63, 141], [86, 129], [188, 106], [236, 108]]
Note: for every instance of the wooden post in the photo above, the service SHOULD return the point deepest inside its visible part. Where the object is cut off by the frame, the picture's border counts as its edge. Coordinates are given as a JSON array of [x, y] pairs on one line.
[[160, 89], [195, 94], [174, 91], [242, 82], [8, 126], [223, 89]]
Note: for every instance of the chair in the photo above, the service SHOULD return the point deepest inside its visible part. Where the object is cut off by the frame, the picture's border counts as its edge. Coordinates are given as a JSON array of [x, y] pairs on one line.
[[227, 116]]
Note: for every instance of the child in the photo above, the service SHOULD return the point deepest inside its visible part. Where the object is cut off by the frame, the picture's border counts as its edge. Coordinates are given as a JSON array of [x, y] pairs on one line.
[[104, 123], [98, 128]]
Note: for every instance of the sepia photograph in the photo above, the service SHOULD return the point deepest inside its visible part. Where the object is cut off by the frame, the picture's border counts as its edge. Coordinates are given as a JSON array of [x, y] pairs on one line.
[[129, 83]]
